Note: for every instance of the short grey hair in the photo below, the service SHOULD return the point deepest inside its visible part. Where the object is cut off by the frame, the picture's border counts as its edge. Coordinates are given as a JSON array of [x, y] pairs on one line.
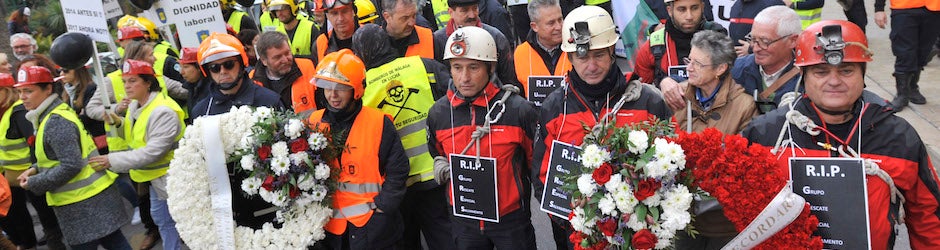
[[536, 5], [390, 5], [788, 22], [718, 46], [267, 40], [32, 41]]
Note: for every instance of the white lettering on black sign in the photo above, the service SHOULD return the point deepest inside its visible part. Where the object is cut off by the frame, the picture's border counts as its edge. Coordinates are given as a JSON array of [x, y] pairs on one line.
[[473, 187], [564, 160], [541, 86], [843, 223]]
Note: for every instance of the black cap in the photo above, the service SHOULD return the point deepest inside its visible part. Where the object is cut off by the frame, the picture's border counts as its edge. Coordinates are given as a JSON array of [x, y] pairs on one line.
[[458, 3]]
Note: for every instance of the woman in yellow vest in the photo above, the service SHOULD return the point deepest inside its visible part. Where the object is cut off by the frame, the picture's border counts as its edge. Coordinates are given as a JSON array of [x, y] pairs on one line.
[[90, 210], [14, 159], [152, 127]]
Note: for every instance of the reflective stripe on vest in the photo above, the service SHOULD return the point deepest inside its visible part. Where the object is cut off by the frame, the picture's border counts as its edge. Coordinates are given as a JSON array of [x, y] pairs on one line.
[[136, 134], [402, 90], [742, 20], [359, 170], [440, 13], [14, 153], [425, 46], [235, 20], [809, 17], [530, 63], [270, 23], [87, 182], [301, 42]]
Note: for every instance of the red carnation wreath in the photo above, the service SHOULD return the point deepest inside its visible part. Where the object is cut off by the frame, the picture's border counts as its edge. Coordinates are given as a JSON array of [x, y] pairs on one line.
[[744, 177]]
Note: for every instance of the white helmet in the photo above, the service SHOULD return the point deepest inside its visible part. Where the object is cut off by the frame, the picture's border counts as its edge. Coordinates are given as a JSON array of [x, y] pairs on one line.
[[472, 43], [588, 27]]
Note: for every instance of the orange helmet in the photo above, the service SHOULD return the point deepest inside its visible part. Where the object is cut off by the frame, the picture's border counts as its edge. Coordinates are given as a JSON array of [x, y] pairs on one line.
[[135, 67], [832, 42], [6, 80], [130, 32], [188, 55], [218, 46], [33, 75], [341, 69]]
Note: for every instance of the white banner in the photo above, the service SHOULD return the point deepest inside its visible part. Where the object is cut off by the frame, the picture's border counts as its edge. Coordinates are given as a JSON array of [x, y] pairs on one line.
[[721, 10], [194, 19], [220, 190], [87, 18], [782, 210], [112, 9]]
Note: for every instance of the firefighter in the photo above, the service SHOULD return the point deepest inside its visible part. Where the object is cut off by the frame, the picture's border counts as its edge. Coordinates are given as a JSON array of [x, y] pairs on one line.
[[300, 30]]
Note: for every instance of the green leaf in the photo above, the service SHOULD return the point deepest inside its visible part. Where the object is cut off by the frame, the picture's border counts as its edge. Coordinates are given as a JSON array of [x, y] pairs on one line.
[[655, 212], [641, 211]]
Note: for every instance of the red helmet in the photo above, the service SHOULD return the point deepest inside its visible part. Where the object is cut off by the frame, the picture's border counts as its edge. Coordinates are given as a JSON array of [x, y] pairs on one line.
[[6, 80], [188, 55], [130, 32], [832, 42], [33, 75], [134, 67]]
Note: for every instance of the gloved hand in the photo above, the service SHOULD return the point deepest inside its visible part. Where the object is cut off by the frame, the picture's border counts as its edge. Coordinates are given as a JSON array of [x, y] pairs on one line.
[[441, 169]]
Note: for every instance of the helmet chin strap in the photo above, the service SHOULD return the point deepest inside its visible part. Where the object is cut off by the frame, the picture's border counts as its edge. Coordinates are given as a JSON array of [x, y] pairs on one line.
[[232, 85]]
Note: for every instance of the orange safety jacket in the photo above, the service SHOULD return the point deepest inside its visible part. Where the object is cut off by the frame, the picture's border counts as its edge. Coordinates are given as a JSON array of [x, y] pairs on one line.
[[359, 180], [425, 46], [913, 4], [529, 63], [303, 93]]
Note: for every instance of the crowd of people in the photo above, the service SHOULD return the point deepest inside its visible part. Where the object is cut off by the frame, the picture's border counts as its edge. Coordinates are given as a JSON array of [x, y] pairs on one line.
[[405, 85]]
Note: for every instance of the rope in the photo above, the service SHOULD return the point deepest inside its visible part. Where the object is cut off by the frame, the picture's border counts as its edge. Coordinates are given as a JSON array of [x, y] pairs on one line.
[[632, 93], [871, 168], [482, 131]]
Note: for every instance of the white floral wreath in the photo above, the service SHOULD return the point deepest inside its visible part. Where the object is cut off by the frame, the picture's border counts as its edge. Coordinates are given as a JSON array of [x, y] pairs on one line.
[[189, 199]]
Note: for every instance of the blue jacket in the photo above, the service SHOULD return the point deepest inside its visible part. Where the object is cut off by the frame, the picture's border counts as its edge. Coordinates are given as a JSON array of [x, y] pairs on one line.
[[248, 94], [742, 16], [747, 73]]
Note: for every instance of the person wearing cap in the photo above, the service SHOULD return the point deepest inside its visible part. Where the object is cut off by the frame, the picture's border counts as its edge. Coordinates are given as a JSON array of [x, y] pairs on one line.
[[341, 15], [222, 59], [407, 38], [196, 83], [239, 20], [405, 88], [301, 30], [372, 172], [668, 46], [19, 21], [457, 124], [833, 55], [152, 127], [16, 157], [286, 75], [540, 54], [161, 46], [89, 209], [127, 34], [594, 85], [365, 11], [465, 13], [912, 39]]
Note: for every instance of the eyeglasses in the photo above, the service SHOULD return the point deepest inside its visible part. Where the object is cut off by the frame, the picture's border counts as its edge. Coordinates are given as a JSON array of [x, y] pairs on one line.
[[217, 67], [22, 46], [763, 43], [329, 4], [694, 63]]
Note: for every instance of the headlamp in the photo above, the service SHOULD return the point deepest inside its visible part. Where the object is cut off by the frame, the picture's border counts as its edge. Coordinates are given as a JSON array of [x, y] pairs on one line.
[[581, 35], [831, 43]]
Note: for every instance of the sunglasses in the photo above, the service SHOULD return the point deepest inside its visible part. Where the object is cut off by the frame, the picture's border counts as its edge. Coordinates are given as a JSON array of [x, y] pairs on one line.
[[217, 67], [329, 4]]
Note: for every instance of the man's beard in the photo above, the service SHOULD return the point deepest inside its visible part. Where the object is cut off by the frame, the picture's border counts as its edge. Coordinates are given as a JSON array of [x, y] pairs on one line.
[[22, 57]]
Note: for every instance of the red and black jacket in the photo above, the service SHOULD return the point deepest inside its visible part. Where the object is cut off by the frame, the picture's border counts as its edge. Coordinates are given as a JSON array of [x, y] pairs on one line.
[[566, 111], [453, 118], [885, 138]]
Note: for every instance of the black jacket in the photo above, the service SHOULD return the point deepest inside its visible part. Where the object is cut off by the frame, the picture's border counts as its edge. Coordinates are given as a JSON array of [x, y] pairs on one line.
[[283, 86], [248, 94]]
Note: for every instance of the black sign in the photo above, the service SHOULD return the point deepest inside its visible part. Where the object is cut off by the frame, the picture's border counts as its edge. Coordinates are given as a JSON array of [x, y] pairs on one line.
[[541, 86], [678, 73], [836, 192], [474, 187], [564, 159]]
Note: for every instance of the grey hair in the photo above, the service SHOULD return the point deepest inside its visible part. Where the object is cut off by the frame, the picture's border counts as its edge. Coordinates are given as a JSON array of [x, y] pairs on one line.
[[717, 45], [788, 22], [535, 5], [267, 40], [32, 41], [390, 5]]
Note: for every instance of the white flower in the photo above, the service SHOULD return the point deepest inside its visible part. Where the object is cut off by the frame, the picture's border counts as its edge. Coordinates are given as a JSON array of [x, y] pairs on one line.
[[304, 199], [279, 149], [677, 199], [639, 141], [318, 193], [317, 141], [298, 158], [675, 220], [607, 205], [625, 200], [322, 171], [654, 200], [635, 223], [262, 113], [248, 162], [293, 129], [246, 142], [580, 223], [267, 195], [280, 165], [306, 182], [593, 156], [586, 185], [251, 185], [616, 180], [657, 169]]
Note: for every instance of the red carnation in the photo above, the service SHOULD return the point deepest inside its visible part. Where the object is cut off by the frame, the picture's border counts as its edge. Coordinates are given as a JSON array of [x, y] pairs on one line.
[[576, 238], [294, 192], [264, 152], [646, 188], [644, 239], [601, 245], [602, 174], [268, 183], [608, 226], [299, 146]]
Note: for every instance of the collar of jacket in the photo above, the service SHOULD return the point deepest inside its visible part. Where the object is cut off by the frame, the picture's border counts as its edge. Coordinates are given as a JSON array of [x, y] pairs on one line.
[[451, 27], [244, 96], [721, 98], [261, 75], [489, 93]]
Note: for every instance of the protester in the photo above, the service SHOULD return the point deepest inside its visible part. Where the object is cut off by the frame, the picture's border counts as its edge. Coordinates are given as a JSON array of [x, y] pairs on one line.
[[5, 66], [239, 20], [79, 88], [540, 54], [342, 17], [768, 73], [195, 82], [19, 21], [14, 159], [23, 45], [741, 18], [301, 30], [286, 75], [465, 13], [248, 38], [914, 32], [223, 59], [407, 38]]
